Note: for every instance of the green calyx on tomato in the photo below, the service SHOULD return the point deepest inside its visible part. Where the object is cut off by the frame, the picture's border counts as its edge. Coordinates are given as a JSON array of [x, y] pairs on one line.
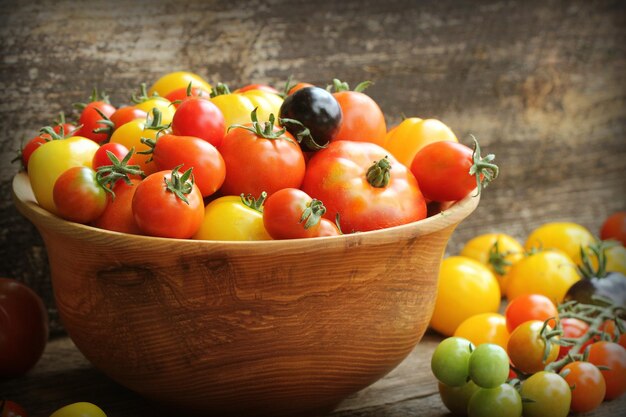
[[313, 213], [108, 175], [254, 203], [180, 185], [498, 260], [263, 130], [220, 89], [143, 95], [379, 173], [155, 122], [338, 86], [483, 168]]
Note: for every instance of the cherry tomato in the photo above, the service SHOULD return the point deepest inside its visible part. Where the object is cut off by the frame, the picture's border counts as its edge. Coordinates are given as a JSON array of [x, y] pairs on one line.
[[201, 118], [81, 409], [165, 107], [450, 361], [528, 307], [615, 259], [502, 401], [90, 120], [260, 159], [572, 329], [489, 365], [118, 214], [484, 328], [362, 119], [11, 409], [498, 251], [260, 87], [233, 218], [547, 394], [317, 112], [130, 135], [549, 272], [168, 204], [78, 197], [526, 347], [614, 227], [366, 195], [443, 168], [179, 95], [587, 385], [456, 399], [127, 114], [405, 140], [610, 357], [23, 328], [176, 80], [30, 147], [236, 107], [565, 236], [291, 213], [298, 86], [610, 329], [465, 288], [101, 157], [208, 165]]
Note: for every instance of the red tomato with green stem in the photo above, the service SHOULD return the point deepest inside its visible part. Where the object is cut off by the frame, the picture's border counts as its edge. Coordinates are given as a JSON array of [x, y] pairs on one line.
[[366, 195], [91, 117], [179, 95], [23, 328], [62, 129], [199, 117], [78, 196], [528, 307], [587, 385], [362, 120], [573, 329], [611, 358], [291, 213], [168, 204], [118, 214], [448, 171], [170, 151], [532, 346], [127, 114], [260, 157], [101, 157]]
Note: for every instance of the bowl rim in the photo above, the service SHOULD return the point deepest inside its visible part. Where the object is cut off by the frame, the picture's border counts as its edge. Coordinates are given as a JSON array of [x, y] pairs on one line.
[[26, 203]]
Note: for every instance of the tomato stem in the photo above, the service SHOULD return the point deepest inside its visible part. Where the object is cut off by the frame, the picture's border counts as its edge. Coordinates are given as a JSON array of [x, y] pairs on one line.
[[219, 90], [483, 168], [339, 86], [313, 213], [379, 173], [179, 184], [108, 175], [143, 95], [263, 130], [254, 203]]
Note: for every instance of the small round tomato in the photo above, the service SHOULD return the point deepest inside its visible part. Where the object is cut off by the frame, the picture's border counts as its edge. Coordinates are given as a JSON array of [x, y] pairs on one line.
[[118, 214], [565, 236], [484, 328], [168, 204], [176, 80], [450, 361], [131, 134], [498, 251], [101, 157], [236, 107], [615, 259], [527, 347], [23, 328], [573, 329], [260, 159], [369, 189], [11, 409], [448, 171], [465, 288], [233, 218], [298, 86], [610, 357], [405, 140], [546, 394], [587, 385], [614, 227], [549, 272], [528, 307], [127, 114], [78, 196], [201, 118], [260, 87], [609, 328], [489, 365], [456, 399], [81, 409], [502, 401], [90, 120], [179, 95], [30, 147]]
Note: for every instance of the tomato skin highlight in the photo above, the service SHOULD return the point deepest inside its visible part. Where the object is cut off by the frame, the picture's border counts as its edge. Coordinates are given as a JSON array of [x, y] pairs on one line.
[[77, 195]]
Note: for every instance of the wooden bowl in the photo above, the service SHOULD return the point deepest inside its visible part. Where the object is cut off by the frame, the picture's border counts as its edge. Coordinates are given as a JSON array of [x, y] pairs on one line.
[[270, 328]]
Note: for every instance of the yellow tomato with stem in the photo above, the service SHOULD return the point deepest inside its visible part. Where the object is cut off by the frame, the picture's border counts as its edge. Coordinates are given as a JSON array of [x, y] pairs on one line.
[[237, 107], [412, 134], [567, 237], [484, 328], [465, 288], [498, 251], [130, 135], [178, 79], [164, 105]]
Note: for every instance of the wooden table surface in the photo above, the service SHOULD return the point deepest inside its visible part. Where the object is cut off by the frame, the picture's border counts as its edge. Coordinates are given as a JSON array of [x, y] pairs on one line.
[[542, 84]]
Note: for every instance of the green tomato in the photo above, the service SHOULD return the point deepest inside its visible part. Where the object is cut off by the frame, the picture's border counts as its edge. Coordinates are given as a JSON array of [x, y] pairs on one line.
[[546, 394], [502, 401], [489, 365], [450, 361], [81, 409], [456, 399]]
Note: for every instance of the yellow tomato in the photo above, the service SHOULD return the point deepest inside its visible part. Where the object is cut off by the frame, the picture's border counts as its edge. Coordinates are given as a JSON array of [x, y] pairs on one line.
[[616, 259], [466, 288], [175, 80], [548, 272], [564, 236], [484, 328], [482, 248], [53, 158], [82, 409], [130, 135], [237, 107], [228, 218], [164, 105], [265, 102], [406, 139]]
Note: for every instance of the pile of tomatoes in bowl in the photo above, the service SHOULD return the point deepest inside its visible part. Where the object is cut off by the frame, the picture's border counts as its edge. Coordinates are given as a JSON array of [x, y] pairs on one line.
[[185, 159]]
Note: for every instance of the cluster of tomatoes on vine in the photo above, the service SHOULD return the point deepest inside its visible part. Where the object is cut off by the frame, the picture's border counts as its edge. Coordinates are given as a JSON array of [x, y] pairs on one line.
[[247, 165]]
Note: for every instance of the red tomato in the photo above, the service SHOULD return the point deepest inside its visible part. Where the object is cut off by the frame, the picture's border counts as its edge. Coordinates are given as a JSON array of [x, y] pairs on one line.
[[609, 328], [443, 169], [101, 157], [529, 307], [587, 385], [199, 117], [209, 170], [78, 196], [526, 347], [118, 214], [168, 204], [260, 159], [261, 87], [611, 358], [362, 119], [90, 120], [179, 95], [23, 328], [31, 146], [614, 227], [573, 329], [298, 86], [11, 409], [291, 213], [127, 114], [366, 196]]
